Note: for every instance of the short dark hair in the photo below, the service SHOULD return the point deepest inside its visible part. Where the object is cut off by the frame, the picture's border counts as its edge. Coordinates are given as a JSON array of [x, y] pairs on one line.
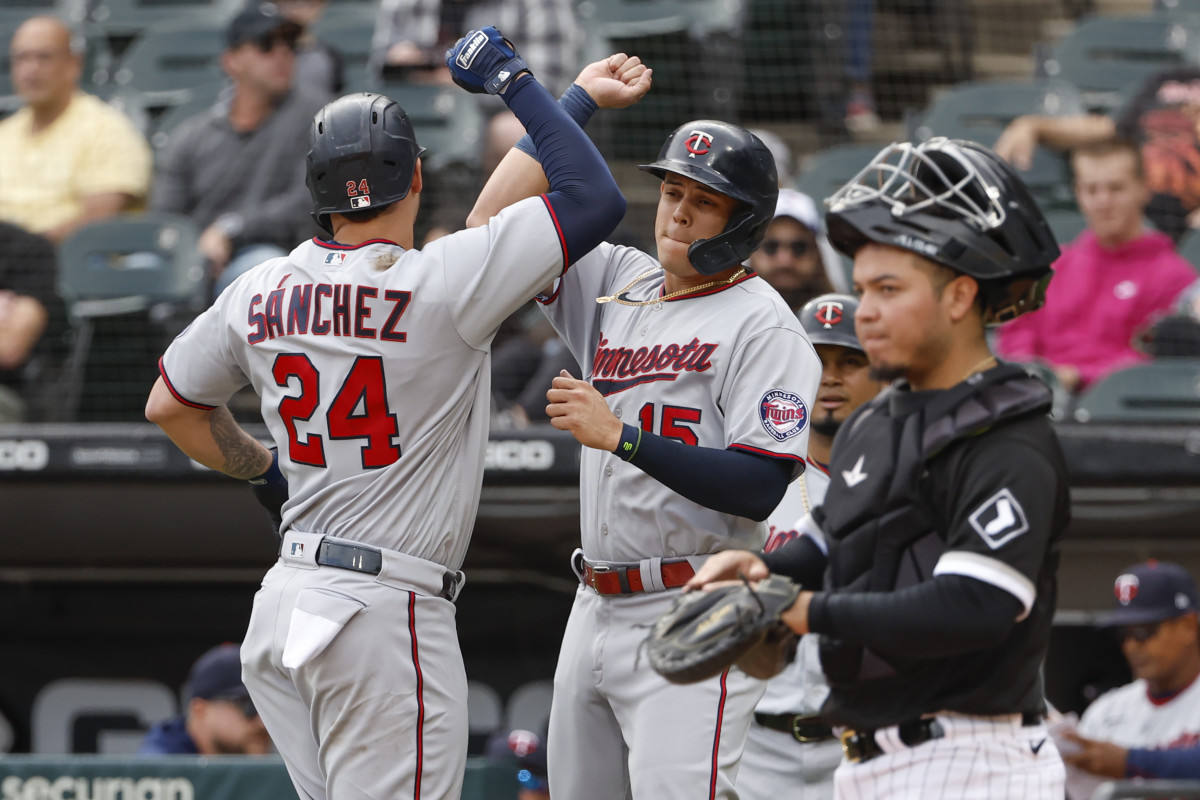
[[364, 214], [1109, 147]]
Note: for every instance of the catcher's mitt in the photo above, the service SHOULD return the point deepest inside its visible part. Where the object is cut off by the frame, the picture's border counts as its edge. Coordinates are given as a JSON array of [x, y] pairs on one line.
[[703, 633]]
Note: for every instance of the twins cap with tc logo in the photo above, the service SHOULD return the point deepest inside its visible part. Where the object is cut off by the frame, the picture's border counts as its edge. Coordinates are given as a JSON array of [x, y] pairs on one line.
[[1152, 592]]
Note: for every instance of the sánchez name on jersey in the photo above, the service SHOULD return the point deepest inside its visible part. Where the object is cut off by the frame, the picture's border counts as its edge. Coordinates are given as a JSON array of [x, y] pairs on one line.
[[323, 309]]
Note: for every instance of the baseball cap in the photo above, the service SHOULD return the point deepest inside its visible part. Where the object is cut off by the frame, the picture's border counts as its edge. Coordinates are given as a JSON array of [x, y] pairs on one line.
[[528, 750], [1152, 592], [217, 675], [258, 20], [799, 207]]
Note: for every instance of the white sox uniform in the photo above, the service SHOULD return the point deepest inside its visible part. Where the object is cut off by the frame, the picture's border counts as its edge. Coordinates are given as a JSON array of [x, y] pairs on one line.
[[775, 764], [372, 366], [1129, 717], [722, 367]]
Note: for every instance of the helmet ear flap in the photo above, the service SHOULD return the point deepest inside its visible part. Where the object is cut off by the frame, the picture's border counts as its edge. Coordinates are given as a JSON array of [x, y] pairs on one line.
[[731, 247]]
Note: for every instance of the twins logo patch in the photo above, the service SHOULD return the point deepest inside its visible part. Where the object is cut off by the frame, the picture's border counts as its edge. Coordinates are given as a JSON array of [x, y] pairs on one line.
[[999, 520], [698, 143], [1126, 588], [783, 414]]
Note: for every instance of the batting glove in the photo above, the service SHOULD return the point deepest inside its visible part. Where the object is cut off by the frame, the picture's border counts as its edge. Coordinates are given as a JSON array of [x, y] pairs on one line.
[[271, 490], [484, 61]]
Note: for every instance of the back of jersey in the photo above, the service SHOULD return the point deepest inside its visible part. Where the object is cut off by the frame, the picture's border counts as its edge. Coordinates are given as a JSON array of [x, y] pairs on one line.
[[372, 366]]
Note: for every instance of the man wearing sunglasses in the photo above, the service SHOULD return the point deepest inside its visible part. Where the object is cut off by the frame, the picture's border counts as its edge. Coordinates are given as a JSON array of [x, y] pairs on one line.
[[237, 168], [1149, 728], [219, 719], [795, 257]]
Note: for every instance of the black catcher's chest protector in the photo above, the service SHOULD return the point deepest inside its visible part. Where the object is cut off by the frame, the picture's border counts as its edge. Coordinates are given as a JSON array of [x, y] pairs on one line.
[[883, 535]]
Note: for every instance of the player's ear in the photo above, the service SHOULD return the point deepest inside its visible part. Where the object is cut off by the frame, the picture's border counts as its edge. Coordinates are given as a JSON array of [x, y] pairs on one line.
[[417, 183]]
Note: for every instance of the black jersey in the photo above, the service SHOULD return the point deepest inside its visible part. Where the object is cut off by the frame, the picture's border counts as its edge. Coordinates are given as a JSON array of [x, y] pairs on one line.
[[997, 503]]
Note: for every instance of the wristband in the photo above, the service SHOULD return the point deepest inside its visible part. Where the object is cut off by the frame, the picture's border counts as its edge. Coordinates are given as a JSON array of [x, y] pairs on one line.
[[579, 106], [631, 439]]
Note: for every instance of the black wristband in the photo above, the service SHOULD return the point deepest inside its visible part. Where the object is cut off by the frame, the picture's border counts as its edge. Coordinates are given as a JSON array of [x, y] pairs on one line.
[[631, 439]]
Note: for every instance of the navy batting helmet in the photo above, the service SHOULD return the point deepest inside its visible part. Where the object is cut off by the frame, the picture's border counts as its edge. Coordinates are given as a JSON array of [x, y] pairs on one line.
[[362, 154], [734, 162], [829, 319], [956, 203]]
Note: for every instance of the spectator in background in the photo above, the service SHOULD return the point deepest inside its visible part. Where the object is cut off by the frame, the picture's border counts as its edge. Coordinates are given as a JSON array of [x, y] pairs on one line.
[[28, 304], [1163, 118], [1109, 283], [219, 719], [525, 751], [67, 158], [237, 169], [524, 366], [318, 66], [1149, 728], [795, 257]]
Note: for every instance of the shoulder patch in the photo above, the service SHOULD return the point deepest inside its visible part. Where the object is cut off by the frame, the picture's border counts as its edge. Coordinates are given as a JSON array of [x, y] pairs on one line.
[[783, 414], [999, 519]]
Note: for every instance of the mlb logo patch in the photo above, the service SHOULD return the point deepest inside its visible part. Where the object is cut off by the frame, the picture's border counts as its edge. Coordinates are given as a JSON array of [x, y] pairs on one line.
[[335, 258], [360, 202], [999, 519], [783, 414], [298, 549]]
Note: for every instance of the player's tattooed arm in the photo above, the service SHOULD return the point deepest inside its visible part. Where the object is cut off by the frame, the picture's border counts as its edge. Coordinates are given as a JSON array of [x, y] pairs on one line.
[[210, 436]]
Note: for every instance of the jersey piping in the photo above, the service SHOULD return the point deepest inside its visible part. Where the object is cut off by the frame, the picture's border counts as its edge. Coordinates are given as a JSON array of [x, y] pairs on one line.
[[339, 246], [706, 292], [760, 452], [562, 240], [1163, 699], [171, 388], [823, 467], [715, 769]]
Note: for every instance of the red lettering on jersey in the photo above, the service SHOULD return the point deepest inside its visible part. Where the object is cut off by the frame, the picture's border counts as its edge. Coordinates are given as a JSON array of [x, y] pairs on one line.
[[617, 368]]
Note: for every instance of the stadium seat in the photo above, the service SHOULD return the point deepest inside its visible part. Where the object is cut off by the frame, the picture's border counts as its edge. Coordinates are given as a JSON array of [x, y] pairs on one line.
[[1062, 398], [1160, 391], [14, 12], [1065, 224], [1105, 55], [826, 171], [448, 122], [981, 111], [130, 19], [348, 29], [170, 60], [160, 129], [138, 270], [1189, 248]]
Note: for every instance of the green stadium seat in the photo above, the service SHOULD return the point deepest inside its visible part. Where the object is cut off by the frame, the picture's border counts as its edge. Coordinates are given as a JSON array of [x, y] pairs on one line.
[[1160, 391], [826, 171], [118, 270], [448, 122], [1105, 55], [14, 12], [170, 60], [130, 19], [1065, 224], [1062, 398], [348, 29], [1189, 248]]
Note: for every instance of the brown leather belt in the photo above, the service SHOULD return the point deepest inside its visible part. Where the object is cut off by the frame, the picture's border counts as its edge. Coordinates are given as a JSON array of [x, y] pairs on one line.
[[802, 729], [628, 580]]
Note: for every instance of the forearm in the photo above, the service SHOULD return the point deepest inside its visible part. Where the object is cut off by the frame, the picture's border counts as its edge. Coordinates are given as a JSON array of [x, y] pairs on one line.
[[21, 326], [945, 616], [729, 481], [1178, 764], [209, 436], [1066, 133], [95, 207]]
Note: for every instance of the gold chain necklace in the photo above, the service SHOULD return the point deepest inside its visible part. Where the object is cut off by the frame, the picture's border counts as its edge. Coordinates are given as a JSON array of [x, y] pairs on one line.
[[978, 367], [618, 297], [804, 491]]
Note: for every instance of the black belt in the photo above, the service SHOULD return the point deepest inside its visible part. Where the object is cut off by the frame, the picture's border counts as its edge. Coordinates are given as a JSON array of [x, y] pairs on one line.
[[369, 560], [861, 746], [802, 729]]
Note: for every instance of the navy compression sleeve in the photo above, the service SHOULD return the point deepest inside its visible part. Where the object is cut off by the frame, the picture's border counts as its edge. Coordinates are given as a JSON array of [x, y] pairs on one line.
[[1178, 764], [948, 615], [583, 199], [801, 559], [730, 481], [579, 106]]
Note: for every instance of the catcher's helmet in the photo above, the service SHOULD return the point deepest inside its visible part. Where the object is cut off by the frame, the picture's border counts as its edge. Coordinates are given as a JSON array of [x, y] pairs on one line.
[[829, 319], [362, 154], [734, 162], [956, 203]]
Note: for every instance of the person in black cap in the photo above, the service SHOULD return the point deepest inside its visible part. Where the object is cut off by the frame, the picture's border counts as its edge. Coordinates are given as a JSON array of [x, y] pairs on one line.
[[219, 718], [527, 751], [1149, 728], [237, 168]]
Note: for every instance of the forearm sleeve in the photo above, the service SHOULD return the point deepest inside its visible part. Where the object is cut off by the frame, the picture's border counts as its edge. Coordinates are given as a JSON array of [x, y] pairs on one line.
[[730, 481], [583, 199], [801, 559], [1179, 764], [946, 616]]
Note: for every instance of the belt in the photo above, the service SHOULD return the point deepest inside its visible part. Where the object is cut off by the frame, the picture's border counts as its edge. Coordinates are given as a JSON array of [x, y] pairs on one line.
[[802, 729], [861, 745], [627, 579], [369, 560]]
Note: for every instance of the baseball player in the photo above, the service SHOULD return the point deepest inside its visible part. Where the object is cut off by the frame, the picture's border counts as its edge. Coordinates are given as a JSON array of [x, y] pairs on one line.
[[938, 536], [790, 751], [694, 417], [371, 359]]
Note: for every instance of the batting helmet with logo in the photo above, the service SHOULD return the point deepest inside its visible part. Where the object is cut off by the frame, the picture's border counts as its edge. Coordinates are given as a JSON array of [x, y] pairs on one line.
[[829, 319], [956, 203], [362, 154], [734, 162]]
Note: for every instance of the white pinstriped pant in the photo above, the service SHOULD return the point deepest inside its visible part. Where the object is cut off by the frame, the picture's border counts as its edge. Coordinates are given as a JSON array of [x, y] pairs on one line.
[[979, 758]]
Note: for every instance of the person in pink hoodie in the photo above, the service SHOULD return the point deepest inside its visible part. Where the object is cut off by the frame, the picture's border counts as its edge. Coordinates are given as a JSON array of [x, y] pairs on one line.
[[1113, 280]]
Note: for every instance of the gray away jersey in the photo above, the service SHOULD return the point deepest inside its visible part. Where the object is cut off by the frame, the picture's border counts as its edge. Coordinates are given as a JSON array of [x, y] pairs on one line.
[[724, 367], [372, 365]]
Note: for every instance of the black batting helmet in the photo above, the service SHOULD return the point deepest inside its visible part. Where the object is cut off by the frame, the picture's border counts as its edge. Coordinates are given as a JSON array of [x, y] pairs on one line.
[[734, 162], [829, 319], [362, 154], [956, 203]]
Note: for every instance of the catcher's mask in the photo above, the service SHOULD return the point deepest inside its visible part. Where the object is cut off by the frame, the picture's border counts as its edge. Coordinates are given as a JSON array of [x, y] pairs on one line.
[[362, 154], [956, 203], [733, 161]]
